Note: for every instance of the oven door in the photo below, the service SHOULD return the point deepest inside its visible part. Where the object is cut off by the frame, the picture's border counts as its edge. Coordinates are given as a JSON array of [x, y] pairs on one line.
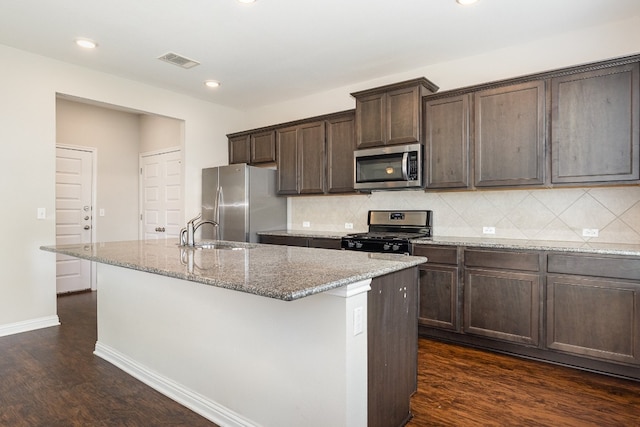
[[388, 167]]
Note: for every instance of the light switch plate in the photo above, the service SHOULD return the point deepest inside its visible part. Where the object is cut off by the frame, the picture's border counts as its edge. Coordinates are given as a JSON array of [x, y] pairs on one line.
[[42, 213]]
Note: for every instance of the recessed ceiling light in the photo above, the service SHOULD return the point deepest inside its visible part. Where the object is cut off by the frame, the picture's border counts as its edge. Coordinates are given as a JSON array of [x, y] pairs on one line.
[[211, 83], [466, 2], [86, 43]]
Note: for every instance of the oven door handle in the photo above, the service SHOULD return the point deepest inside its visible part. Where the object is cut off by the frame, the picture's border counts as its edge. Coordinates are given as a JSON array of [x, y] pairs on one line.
[[405, 166]]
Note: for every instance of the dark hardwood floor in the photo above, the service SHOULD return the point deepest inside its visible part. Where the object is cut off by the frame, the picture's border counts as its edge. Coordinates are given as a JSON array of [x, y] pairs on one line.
[[459, 386], [50, 377]]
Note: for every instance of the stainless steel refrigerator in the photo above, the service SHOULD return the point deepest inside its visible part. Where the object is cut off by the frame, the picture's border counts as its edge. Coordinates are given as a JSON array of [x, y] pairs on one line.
[[242, 200]]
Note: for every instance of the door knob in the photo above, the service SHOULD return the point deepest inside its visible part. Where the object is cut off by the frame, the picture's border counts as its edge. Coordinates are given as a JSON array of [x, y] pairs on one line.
[[86, 218], [86, 227]]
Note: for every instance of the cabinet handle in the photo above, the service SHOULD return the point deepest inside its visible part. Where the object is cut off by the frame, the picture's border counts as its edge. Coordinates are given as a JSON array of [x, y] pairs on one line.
[[86, 227]]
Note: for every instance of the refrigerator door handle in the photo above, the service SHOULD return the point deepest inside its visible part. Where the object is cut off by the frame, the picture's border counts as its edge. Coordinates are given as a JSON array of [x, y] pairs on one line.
[[216, 212]]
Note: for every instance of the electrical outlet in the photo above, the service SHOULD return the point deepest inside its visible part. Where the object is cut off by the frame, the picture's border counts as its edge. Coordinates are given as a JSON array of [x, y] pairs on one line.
[[306, 224], [488, 230], [589, 232], [101, 212], [348, 225]]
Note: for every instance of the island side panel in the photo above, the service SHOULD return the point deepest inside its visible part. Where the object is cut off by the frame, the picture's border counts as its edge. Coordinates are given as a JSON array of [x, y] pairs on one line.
[[237, 359], [392, 347]]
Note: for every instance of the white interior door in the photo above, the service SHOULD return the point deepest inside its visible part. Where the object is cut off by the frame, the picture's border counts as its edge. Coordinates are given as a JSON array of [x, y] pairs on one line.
[[161, 194], [74, 219]]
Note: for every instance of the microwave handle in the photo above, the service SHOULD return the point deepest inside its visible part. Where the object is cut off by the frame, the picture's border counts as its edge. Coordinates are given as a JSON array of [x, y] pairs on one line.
[[405, 166]]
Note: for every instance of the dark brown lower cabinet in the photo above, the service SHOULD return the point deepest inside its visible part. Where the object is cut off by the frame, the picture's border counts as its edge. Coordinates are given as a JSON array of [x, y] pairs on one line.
[[503, 305], [576, 309], [594, 317], [392, 347], [311, 242], [284, 240], [438, 296]]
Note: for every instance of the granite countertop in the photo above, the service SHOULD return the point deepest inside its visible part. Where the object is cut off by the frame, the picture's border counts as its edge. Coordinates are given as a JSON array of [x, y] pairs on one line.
[[540, 245], [281, 272]]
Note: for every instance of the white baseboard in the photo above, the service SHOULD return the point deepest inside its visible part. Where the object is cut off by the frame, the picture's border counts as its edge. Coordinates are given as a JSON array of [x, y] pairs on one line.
[[29, 325], [199, 404]]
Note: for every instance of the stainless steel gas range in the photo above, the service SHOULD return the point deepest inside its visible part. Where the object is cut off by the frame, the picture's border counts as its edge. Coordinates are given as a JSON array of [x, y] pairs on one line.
[[391, 231]]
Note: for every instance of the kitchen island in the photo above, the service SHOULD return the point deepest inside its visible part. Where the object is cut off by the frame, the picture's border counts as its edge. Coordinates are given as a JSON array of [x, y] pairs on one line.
[[250, 334]]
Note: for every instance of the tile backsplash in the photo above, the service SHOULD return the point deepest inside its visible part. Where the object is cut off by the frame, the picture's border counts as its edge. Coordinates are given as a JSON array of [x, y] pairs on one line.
[[536, 214]]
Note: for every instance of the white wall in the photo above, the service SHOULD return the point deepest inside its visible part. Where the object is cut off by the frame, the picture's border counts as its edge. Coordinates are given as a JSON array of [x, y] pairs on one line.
[[27, 168], [158, 132]]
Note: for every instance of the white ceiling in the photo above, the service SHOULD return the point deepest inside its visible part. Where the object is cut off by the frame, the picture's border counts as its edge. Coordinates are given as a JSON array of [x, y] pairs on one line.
[[276, 50]]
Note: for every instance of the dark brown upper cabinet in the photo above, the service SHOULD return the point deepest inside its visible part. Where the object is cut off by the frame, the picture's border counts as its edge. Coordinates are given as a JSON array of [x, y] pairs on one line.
[[509, 135], [391, 114], [239, 149], [447, 142], [252, 148], [341, 143], [301, 158], [594, 126]]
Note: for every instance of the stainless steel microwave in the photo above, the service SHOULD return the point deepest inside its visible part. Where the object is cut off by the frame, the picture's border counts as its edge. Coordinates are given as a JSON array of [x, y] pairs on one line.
[[386, 168]]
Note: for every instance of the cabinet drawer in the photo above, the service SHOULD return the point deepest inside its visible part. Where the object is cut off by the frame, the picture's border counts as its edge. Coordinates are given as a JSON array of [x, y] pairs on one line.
[[437, 254], [525, 261], [325, 242], [285, 240], [617, 268]]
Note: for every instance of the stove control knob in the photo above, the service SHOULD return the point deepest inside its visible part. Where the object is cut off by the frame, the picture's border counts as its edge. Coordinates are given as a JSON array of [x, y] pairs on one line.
[[396, 247], [386, 247], [350, 244], [358, 245]]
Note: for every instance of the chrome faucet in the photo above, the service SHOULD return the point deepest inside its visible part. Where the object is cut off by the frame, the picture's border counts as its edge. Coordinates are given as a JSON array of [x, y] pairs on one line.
[[188, 233]]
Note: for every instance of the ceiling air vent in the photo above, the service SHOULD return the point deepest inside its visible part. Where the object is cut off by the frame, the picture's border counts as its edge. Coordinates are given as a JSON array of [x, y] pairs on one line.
[[180, 61]]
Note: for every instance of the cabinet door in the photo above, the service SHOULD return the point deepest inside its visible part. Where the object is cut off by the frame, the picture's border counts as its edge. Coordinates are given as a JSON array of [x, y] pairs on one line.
[[341, 143], [311, 155], [287, 155], [503, 305], [438, 296], [447, 142], [370, 120], [403, 108], [263, 147], [597, 318], [509, 135], [239, 151], [594, 126]]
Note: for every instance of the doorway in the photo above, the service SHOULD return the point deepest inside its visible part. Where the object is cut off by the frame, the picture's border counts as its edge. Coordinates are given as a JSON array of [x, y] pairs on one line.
[[75, 177]]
